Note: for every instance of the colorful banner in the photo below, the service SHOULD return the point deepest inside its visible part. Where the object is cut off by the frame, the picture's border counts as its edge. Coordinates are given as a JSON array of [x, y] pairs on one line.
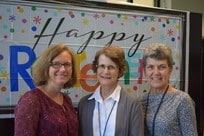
[[28, 28]]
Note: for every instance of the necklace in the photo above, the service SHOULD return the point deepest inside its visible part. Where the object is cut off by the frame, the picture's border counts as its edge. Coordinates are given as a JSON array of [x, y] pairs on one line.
[[99, 119], [155, 115]]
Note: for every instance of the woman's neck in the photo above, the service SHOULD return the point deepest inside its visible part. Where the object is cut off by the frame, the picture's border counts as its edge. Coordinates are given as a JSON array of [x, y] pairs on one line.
[[160, 90], [53, 93], [106, 91], [50, 91]]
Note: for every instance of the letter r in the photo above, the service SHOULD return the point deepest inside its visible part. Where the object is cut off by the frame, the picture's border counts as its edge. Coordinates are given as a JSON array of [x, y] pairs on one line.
[[20, 68]]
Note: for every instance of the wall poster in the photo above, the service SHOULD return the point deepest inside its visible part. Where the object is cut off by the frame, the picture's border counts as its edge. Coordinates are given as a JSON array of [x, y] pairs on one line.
[[28, 28]]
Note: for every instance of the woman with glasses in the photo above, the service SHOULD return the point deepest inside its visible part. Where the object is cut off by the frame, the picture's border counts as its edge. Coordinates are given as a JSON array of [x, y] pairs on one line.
[[45, 110], [110, 111]]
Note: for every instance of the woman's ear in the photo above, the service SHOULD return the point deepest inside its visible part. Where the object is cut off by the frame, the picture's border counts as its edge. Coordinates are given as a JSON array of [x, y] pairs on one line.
[[171, 69]]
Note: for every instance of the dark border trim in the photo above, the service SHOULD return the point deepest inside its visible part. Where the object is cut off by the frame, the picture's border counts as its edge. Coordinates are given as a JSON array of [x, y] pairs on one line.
[[195, 85]]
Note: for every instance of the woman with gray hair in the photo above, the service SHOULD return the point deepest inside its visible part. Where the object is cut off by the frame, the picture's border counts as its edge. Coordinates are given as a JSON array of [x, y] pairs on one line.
[[168, 111]]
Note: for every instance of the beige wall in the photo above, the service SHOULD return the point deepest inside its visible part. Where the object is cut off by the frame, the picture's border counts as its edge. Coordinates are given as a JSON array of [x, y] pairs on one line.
[[190, 5], [144, 2], [140, 2]]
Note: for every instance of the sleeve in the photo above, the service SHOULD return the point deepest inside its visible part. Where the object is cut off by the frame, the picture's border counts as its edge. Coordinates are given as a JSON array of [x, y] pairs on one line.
[[82, 121], [187, 117], [137, 120], [85, 114], [27, 115]]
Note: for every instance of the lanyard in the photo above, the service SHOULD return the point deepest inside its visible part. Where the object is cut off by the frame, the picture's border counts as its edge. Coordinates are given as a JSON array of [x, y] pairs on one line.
[[99, 119], [155, 115]]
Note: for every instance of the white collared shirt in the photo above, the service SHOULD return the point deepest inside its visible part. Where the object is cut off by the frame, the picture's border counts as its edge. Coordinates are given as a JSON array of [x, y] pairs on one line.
[[105, 107]]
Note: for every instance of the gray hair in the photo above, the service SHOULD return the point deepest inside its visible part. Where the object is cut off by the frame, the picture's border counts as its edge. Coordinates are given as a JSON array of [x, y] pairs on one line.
[[159, 52]]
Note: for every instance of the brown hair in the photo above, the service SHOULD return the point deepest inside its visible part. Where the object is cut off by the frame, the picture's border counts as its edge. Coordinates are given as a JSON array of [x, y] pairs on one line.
[[116, 54], [40, 68]]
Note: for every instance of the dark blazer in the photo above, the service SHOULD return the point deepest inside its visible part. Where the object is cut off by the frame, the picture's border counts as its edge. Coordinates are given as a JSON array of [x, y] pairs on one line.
[[129, 117]]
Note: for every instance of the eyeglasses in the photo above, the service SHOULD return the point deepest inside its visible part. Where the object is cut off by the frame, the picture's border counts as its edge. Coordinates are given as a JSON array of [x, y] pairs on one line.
[[58, 65], [103, 67]]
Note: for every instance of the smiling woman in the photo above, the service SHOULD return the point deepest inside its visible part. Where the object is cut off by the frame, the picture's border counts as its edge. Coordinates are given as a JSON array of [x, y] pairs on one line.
[[53, 71], [168, 111], [102, 112]]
